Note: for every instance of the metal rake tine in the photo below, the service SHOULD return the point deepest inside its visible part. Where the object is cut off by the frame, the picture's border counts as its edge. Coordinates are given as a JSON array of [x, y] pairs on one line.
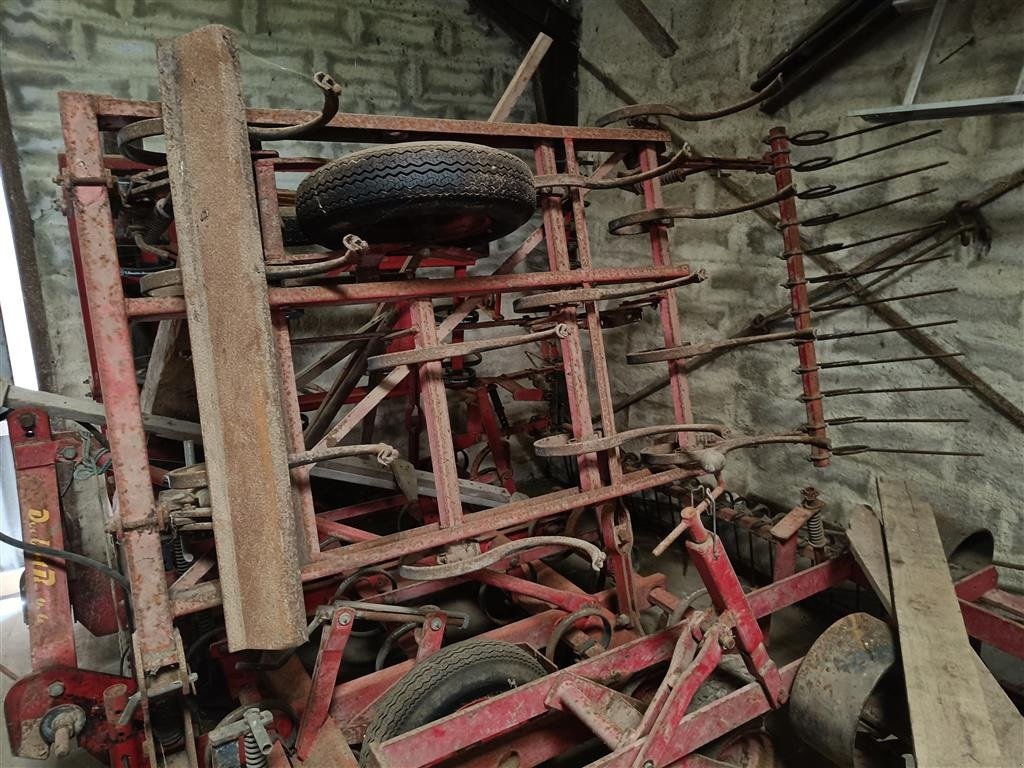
[[840, 421], [837, 305], [814, 137], [829, 218], [830, 190], [879, 331], [821, 163], [832, 276], [851, 450], [884, 360], [889, 390], [833, 247]]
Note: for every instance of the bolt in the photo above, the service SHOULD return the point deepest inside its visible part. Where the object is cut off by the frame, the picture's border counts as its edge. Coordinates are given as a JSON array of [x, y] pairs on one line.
[[435, 624], [56, 689], [345, 619], [622, 620], [68, 452], [62, 741], [648, 764]]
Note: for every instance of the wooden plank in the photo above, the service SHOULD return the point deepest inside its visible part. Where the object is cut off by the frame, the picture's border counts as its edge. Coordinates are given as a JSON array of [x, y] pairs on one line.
[[948, 706], [169, 388], [233, 353], [867, 544], [527, 68], [91, 412]]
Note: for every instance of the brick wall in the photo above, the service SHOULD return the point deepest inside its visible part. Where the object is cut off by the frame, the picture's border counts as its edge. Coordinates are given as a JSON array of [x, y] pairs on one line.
[[392, 57]]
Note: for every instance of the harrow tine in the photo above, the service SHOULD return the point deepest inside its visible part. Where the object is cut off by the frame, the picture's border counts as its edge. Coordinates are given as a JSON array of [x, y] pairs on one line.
[[817, 136], [833, 276], [851, 450], [833, 247], [834, 306], [879, 331], [890, 390], [841, 421], [821, 163], [830, 190], [833, 216], [885, 360]]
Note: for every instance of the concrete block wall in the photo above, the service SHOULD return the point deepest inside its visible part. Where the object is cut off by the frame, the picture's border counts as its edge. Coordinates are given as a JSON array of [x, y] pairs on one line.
[[722, 45], [409, 57]]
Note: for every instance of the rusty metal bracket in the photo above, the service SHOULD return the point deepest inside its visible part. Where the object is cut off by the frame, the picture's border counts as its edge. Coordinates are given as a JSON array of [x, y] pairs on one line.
[[566, 445], [500, 552], [553, 299]]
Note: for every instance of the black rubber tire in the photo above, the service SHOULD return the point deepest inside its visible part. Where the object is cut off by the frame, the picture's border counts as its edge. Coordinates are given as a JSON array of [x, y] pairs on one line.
[[424, 192], [450, 679]]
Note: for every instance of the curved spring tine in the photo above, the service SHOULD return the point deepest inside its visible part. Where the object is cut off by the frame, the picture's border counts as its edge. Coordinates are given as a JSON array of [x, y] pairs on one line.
[[833, 247], [636, 223], [885, 360], [573, 180], [575, 296], [841, 421], [669, 110], [830, 190], [828, 218], [565, 445], [820, 163], [814, 137], [131, 136]]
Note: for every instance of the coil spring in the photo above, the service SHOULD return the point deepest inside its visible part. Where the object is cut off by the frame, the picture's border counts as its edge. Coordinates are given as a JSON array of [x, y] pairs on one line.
[[254, 758], [182, 557], [816, 531]]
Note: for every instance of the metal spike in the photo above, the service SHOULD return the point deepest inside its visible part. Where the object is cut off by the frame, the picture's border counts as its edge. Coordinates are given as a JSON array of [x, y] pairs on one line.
[[888, 390], [884, 360], [833, 216], [821, 163], [850, 450], [833, 247], [815, 137], [830, 190], [837, 305], [840, 421], [847, 275], [878, 331]]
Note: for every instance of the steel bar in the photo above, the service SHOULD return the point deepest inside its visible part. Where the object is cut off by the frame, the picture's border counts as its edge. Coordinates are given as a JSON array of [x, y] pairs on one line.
[[385, 129], [221, 260], [832, 306], [883, 361], [694, 350], [438, 352], [154, 636]]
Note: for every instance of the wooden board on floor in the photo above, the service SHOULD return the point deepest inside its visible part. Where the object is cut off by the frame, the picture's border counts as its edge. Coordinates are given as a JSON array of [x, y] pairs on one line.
[[867, 544], [949, 709]]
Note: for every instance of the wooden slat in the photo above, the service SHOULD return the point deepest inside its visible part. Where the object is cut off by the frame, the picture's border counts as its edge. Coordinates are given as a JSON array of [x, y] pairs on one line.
[[527, 68], [949, 713], [867, 544], [233, 353]]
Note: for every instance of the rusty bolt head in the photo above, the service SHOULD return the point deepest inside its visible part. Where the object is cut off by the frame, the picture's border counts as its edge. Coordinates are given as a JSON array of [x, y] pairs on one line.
[[27, 420], [435, 624], [345, 619], [68, 452], [55, 689], [727, 640], [648, 764], [622, 620]]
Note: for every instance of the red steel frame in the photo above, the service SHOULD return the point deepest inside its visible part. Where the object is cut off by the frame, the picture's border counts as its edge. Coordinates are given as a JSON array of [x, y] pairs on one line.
[[691, 648]]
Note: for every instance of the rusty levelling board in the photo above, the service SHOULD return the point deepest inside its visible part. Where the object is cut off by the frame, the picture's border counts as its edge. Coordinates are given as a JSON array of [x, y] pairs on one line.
[[221, 259]]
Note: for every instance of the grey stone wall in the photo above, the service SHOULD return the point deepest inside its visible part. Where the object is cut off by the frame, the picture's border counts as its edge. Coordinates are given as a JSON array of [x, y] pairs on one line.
[[722, 45], [392, 57]]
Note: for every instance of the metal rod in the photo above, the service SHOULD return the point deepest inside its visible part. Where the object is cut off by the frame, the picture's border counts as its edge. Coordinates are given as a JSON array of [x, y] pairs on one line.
[[830, 190], [926, 52], [821, 163], [833, 247], [833, 216], [887, 390], [884, 360], [850, 450], [877, 331], [834, 306], [840, 421], [843, 275]]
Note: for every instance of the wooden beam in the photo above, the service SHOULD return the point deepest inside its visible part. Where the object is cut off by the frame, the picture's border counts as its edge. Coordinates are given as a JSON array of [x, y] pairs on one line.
[[169, 388], [222, 268], [949, 715], [527, 69]]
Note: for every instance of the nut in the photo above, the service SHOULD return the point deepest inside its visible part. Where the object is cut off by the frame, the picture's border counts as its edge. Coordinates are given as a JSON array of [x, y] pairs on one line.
[[55, 689]]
